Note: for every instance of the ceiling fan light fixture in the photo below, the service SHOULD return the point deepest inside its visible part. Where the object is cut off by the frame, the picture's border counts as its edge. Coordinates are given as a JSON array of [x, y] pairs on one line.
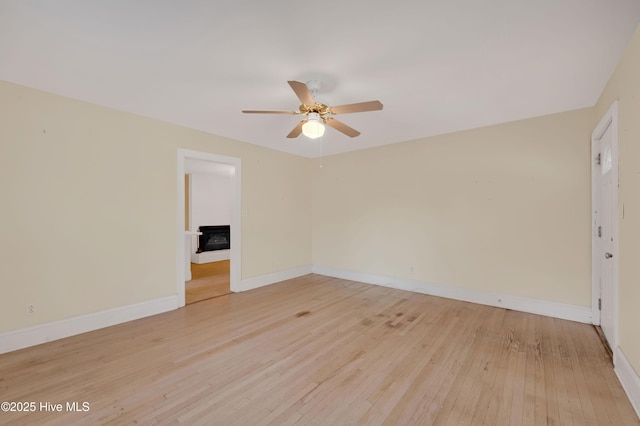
[[313, 128]]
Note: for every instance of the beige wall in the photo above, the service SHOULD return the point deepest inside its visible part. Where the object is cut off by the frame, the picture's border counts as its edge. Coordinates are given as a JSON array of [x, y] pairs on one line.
[[503, 209], [624, 85], [89, 206]]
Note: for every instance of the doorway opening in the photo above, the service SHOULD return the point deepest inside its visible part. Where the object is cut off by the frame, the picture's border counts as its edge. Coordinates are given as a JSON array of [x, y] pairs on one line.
[[604, 235], [208, 193], [208, 198], [208, 280]]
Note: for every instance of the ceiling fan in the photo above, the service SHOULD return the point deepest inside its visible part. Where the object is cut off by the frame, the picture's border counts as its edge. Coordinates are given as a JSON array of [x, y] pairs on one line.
[[318, 113]]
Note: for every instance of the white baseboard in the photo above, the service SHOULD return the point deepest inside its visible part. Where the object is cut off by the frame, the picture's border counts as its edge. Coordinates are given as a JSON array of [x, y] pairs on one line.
[[262, 280], [628, 377], [22, 338], [210, 256], [31, 336], [523, 304]]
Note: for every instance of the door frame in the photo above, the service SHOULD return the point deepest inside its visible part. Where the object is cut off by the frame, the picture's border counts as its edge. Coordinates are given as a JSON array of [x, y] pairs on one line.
[[609, 120], [236, 232]]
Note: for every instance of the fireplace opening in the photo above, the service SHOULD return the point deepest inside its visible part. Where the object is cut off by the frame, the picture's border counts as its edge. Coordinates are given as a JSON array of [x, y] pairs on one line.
[[214, 238]]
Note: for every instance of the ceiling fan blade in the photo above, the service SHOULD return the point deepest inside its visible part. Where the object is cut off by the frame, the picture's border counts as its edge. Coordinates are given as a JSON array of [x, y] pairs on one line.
[[251, 111], [359, 107], [341, 127], [296, 130], [302, 92]]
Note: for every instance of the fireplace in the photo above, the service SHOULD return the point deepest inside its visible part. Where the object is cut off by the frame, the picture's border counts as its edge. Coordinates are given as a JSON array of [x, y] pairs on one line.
[[214, 238]]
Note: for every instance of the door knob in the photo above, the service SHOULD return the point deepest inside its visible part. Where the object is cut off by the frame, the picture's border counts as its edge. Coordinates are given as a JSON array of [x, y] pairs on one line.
[[608, 255]]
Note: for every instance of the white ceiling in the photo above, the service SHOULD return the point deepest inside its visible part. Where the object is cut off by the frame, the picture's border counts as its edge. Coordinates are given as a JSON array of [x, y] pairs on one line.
[[437, 66]]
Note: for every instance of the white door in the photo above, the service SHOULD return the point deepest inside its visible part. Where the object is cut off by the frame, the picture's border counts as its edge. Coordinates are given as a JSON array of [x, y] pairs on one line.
[[605, 208], [607, 238]]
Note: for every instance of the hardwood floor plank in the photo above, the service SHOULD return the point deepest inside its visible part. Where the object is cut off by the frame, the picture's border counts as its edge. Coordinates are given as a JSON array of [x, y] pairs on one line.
[[433, 378], [499, 392], [208, 280], [321, 350]]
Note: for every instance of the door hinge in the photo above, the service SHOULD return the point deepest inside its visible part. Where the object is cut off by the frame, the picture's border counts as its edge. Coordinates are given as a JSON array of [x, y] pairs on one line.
[[600, 231], [598, 159], [599, 304]]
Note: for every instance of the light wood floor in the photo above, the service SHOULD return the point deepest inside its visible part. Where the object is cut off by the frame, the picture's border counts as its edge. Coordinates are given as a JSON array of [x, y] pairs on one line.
[[318, 350], [207, 280]]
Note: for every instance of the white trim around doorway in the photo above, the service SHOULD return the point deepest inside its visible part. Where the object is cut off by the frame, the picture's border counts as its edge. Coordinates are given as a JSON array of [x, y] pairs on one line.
[[235, 253]]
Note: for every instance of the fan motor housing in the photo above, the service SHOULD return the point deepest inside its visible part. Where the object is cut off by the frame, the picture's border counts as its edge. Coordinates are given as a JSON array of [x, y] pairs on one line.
[[321, 109]]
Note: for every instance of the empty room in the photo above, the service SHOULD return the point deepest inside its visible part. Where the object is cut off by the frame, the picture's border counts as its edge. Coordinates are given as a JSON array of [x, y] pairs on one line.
[[244, 213]]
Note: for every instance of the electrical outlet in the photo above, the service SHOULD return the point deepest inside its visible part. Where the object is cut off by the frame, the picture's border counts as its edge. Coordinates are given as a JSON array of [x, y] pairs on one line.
[[31, 309]]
